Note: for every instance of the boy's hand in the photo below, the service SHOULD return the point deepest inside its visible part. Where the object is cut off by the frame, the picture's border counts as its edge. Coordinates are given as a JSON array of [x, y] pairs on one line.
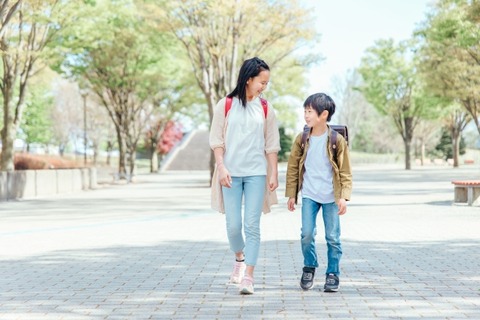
[[342, 207], [291, 204]]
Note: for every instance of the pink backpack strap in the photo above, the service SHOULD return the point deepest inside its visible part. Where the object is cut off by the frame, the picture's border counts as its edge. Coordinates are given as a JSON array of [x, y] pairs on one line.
[[265, 106], [228, 105]]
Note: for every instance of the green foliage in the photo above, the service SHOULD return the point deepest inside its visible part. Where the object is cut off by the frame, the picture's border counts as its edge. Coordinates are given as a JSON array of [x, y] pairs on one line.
[[137, 71], [285, 145], [286, 90], [392, 85], [36, 122], [389, 78], [444, 148], [450, 53], [219, 35]]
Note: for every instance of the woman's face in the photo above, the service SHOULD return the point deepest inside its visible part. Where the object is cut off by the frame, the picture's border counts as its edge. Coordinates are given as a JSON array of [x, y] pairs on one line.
[[256, 85]]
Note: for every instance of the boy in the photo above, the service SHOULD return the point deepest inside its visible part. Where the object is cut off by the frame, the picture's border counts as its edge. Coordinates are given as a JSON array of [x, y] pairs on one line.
[[325, 183]]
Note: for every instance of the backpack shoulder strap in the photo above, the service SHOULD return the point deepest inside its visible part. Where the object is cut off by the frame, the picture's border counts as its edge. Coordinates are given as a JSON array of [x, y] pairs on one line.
[[228, 105], [333, 143], [306, 131], [265, 106]]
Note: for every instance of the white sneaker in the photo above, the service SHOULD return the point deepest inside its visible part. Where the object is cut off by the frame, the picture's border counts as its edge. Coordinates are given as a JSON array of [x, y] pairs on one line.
[[246, 287], [238, 272]]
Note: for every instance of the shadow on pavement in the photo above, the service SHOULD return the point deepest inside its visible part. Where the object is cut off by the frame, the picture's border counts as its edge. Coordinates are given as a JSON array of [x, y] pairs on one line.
[[188, 279]]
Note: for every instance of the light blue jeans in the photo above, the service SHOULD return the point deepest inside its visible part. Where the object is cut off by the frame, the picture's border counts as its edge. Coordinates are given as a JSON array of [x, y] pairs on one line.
[[331, 222], [252, 189]]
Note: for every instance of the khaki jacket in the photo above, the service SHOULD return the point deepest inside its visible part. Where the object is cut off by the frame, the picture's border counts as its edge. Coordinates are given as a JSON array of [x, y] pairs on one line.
[[217, 140], [342, 172]]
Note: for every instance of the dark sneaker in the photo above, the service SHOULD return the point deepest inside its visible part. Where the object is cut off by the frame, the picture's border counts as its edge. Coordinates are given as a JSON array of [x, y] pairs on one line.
[[307, 278], [331, 283]]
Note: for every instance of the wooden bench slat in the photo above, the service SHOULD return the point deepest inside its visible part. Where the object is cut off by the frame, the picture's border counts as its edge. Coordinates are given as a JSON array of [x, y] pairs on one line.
[[466, 182]]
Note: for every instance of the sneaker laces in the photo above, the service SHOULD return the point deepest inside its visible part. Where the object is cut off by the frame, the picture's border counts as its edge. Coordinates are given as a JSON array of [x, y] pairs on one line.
[[237, 268], [307, 276], [330, 279], [247, 280]]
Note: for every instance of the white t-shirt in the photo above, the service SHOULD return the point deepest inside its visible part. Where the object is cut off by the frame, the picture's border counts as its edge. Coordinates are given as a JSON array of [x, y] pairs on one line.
[[245, 140], [318, 177]]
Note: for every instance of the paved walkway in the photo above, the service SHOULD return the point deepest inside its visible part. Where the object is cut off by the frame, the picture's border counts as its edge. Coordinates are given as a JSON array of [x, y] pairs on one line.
[[154, 250]]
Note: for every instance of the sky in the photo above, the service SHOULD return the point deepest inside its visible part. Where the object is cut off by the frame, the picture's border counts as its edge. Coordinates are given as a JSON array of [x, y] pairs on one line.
[[348, 27]]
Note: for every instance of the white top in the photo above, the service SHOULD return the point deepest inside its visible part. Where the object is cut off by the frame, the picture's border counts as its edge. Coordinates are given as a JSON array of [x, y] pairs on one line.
[[245, 140], [318, 177]]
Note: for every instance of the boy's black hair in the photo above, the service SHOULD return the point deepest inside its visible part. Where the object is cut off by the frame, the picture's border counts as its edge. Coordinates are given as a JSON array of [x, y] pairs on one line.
[[320, 102], [249, 69]]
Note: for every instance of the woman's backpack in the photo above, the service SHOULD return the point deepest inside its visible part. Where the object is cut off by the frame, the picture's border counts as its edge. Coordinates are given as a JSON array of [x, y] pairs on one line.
[[228, 105]]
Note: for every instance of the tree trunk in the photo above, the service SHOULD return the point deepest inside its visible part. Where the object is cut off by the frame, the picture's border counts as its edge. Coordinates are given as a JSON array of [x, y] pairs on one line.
[[408, 162], [122, 168], [131, 157], [422, 151], [95, 154], [153, 158], [8, 130], [8, 135], [407, 138], [7, 149], [109, 152], [455, 147]]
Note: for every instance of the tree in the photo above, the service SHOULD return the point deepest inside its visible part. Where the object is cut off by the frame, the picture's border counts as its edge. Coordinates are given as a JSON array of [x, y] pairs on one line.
[[392, 86], [352, 108], [178, 101], [450, 53], [126, 64], [446, 146], [425, 136], [456, 120], [97, 124], [218, 35], [26, 28], [36, 124], [7, 10], [66, 114]]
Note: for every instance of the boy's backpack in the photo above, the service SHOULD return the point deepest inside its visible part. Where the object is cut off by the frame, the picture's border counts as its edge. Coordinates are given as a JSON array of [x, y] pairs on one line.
[[342, 129], [228, 105]]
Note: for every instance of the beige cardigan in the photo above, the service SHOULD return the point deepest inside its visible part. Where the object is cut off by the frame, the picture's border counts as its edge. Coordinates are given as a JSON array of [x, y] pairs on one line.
[[217, 140]]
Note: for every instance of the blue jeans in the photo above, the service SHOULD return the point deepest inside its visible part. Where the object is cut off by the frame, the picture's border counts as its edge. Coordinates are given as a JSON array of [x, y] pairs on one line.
[[252, 188], [331, 222]]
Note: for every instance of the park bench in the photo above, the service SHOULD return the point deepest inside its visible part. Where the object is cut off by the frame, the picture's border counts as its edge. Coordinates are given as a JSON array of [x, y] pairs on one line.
[[466, 191]]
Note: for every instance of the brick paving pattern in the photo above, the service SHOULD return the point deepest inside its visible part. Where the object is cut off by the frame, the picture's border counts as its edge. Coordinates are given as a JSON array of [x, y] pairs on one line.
[[153, 249]]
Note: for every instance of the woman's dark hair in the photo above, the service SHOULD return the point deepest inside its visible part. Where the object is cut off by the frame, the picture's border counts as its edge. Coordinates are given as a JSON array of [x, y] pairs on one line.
[[320, 102], [250, 69]]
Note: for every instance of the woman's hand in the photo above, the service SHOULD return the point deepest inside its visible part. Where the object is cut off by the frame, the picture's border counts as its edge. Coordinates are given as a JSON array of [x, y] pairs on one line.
[[273, 183], [224, 176]]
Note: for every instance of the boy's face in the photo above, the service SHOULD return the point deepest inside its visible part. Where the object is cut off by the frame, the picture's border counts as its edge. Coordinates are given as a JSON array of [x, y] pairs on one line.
[[312, 118]]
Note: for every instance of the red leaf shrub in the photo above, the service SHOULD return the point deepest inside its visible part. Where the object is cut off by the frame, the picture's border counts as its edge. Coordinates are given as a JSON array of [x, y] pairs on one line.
[[170, 136], [25, 161]]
